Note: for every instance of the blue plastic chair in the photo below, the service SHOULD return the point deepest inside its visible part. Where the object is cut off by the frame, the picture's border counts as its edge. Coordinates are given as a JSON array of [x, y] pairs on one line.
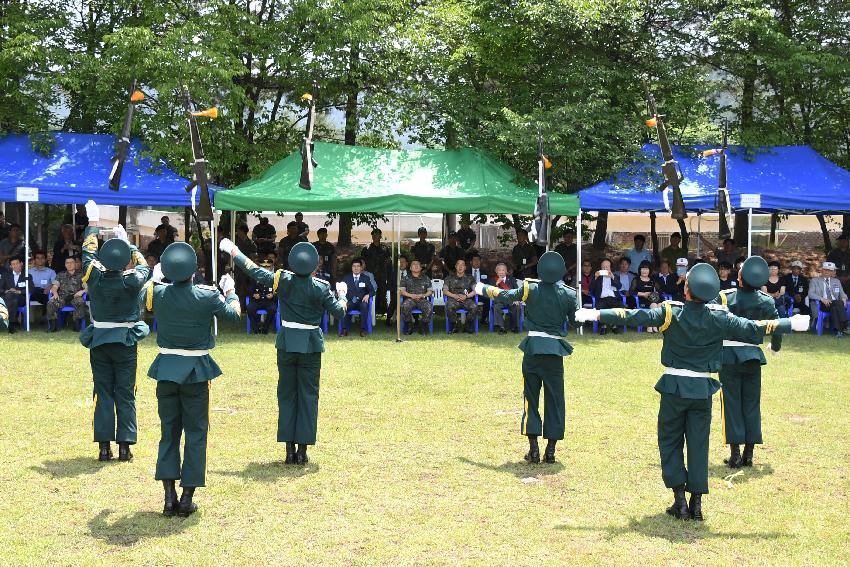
[[821, 318], [461, 311], [60, 316], [259, 312], [346, 319], [593, 298], [419, 312], [505, 311]]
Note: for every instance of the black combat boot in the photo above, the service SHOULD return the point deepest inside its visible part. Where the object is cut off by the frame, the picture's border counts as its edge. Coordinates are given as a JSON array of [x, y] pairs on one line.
[[409, 328], [696, 507], [747, 459], [301, 455], [533, 455], [734, 460], [124, 453], [105, 451], [549, 455], [679, 509], [290, 453], [187, 507], [170, 507]]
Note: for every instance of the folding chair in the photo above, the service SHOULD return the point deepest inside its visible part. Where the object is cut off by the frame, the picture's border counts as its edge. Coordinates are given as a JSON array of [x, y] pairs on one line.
[[418, 312], [346, 319]]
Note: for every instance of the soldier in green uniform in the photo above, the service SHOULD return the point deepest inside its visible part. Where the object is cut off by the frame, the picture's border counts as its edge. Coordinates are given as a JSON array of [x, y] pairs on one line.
[[692, 349], [416, 289], [4, 315], [112, 337], [740, 375], [184, 369], [300, 341], [459, 291], [548, 304]]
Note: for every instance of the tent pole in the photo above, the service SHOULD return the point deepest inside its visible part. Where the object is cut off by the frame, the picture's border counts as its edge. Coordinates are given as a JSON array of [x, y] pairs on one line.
[[579, 328], [749, 233], [214, 262], [699, 233], [397, 254], [27, 265], [232, 234]]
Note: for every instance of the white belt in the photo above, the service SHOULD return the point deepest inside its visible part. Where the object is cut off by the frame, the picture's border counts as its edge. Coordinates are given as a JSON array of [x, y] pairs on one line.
[[738, 343], [293, 325], [542, 334], [686, 372], [107, 325], [183, 351]]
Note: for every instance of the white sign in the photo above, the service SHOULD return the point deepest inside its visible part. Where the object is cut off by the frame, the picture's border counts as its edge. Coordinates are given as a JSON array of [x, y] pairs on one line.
[[750, 200], [27, 194]]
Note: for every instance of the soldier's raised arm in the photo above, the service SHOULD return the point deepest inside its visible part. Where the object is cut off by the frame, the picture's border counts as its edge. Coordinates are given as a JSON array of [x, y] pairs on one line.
[[503, 295], [256, 273], [227, 306]]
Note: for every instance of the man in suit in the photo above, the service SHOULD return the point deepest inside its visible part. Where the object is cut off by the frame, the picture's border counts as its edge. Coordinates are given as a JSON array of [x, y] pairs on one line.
[[827, 289], [359, 289], [510, 320], [605, 287], [665, 281], [262, 298], [480, 276], [13, 287], [797, 286]]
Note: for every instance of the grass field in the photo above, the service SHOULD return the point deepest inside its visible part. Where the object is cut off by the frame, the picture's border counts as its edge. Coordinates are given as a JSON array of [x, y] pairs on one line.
[[419, 461]]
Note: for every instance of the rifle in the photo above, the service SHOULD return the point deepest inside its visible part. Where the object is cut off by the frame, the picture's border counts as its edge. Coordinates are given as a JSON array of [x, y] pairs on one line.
[[307, 161], [123, 146], [199, 165], [540, 222], [724, 205], [673, 175]]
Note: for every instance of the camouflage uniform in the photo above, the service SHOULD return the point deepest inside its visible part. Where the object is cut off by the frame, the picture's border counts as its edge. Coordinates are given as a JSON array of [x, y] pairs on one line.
[[416, 285], [460, 285], [68, 286]]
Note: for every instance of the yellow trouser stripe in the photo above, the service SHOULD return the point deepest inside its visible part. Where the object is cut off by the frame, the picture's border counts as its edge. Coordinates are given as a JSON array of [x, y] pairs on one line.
[[525, 408], [723, 417], [93, 408]]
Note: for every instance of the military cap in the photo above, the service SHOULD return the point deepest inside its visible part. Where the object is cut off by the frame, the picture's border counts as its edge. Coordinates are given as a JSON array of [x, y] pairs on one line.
[[703, 282], [114, 254], [551, 267], [755, 272], [179, 262], [303, 259]]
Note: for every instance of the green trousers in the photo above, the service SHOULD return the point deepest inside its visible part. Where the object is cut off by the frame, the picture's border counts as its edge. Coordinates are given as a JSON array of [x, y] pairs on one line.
[[546, 371], [741, 403], [183, 407], [113, 368], [298, 396], [681, 419]]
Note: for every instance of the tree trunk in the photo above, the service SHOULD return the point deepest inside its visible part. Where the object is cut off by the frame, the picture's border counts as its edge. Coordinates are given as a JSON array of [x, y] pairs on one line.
[[187, 225], [774, 219], [601, 231], [740, 232], [827, 242], [845, 223], [653, 239], [351, 121], [122, 215], [450, 219], [683, 229]]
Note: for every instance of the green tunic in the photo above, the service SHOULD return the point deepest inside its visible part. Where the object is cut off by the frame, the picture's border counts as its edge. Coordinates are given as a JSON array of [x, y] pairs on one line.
[[300, 344], [693, 344], [547, 308]]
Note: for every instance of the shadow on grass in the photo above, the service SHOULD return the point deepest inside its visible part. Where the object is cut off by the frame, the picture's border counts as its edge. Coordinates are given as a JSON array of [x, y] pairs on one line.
[[740, 476], [272, 471], [675, 531], [519, 469], [71, 468], [130, 529]]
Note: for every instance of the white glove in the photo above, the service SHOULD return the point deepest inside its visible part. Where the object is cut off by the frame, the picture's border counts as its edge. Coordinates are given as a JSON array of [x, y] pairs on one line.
[[226, 245], [226, 284], [800, 323], [120, 232], [584, 315], [479, 288], [771, 351], [157, 273], [341, 289], [92, 212]]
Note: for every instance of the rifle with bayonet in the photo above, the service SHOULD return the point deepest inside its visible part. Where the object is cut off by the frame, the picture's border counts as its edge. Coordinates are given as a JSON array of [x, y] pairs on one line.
[[307, 161], [724, 205], [540, 223], [123, 146], [673, 175], [200, 179]]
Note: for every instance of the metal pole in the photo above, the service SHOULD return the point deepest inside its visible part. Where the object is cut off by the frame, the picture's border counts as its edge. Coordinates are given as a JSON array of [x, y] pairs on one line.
[[232, 234], [214, 262], [579, 328], [27, 265], [397, 254], [699, 233], [749, 233]]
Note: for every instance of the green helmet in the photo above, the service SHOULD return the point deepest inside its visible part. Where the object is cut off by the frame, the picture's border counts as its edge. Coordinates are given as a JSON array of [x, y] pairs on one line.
[[755, 271], [551, 267], [703, 282], [114, 254], [303, 259], [179, 262]]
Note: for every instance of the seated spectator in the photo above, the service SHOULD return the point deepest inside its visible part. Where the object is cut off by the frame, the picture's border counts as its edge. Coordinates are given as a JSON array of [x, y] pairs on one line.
[[797, 286], [170, 231], [151, 261], [665, 282], [840, 256], [479, 275], [392, 279], [674, 251], [459, 291], [264, 235], [302, 228], [569, 252], [13, 287], [12, 246], [625, 273], [681, 274], [416, 289], [326, 250], [638, 254], [725, 272], [321, 272], [42, 278], [359, 290], [423, 250], [435, 269], [159, 244], [643, 290], [606, 289], [465, 236], [287, 242], [775, 288], [586, 280], [827, 289], [524, 256], [509, 320], [67, 291], [262, 298]]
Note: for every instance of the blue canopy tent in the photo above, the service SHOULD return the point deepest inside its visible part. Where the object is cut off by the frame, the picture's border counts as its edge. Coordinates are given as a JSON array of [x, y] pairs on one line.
[[77, 169]]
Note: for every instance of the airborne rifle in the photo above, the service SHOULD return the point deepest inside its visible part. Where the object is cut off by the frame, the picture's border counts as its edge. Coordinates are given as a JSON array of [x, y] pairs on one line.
[[673, 176], [724, 205], [307, 161], [199, 163], [540, 222], [123, 146]]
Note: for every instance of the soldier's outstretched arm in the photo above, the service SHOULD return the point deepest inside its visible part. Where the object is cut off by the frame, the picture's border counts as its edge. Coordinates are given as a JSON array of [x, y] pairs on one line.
[[226, 307], [740, 329], [334, 306], [503, 295], [572, 303], [256, 273], [657, 317]]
